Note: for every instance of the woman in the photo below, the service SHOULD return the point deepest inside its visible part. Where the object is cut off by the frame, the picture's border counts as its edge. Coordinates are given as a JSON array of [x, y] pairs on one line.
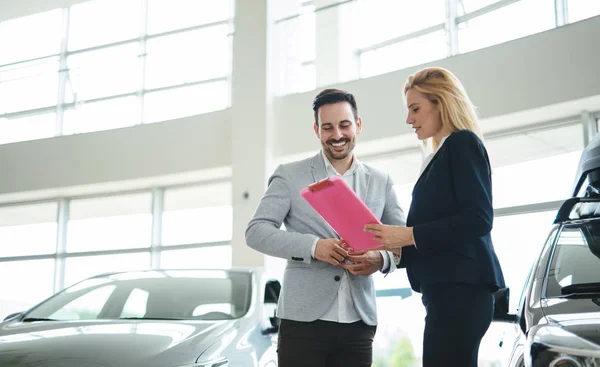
[[446, 244]]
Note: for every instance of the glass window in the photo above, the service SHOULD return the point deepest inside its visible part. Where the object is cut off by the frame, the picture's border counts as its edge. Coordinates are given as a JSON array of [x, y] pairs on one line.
[[186, 101], [468, 6], [381, 20], [546, 179], [201, 295], [29, 85], [536, 166], [167, 15], [104, 72], [108, 223], [24, 128], [582, 9], [99, 22], [490, 29], [19, 43], [80, 268], [401, 55], [576, 259], [403, 168], [404, 195], [135, 306], [28, 230], [400, 341], [197, 214], [86, 307], [523, 234], [25, 284], [214, 257], [296, 49], [198, 225], [187, 57], [103, 115]]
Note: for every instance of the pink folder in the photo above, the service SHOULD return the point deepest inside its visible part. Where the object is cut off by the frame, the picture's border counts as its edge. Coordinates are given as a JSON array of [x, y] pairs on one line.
[[343, 210]]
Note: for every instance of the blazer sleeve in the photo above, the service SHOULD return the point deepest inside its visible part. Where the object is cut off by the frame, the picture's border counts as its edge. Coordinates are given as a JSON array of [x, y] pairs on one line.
[[264, 232], [471, 182], [392, 215]]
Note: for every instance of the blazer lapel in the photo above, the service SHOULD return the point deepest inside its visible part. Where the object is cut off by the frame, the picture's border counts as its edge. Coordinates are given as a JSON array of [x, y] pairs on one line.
[[318, 170], [428, 166], [363, 179]]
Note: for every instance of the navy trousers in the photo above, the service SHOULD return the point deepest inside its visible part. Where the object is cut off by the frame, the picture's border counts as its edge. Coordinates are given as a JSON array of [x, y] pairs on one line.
[[458, 316]]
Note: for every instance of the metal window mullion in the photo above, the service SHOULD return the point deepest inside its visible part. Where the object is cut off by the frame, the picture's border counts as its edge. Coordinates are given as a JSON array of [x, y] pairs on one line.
[[63, 73], [590, 127], [528, 208], [62, 219], [158, 202], [451, 27], [230, 39], [307, 3], [561, 12], [419, 33], [142, 56], [484, 10]]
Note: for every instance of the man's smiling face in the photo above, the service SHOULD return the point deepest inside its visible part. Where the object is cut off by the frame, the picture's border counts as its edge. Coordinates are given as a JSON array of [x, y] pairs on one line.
[[337, 130]]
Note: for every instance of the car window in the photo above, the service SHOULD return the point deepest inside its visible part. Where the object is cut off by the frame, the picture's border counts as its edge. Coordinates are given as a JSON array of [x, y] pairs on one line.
[[177, 294], [576, 258], [85, 307], [135, 306]]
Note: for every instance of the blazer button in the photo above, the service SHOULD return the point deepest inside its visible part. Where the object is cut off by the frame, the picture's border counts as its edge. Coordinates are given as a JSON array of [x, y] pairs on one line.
[[337, 278]]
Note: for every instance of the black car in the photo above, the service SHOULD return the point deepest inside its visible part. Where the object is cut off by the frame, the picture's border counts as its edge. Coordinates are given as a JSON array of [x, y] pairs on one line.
[[558, 318]]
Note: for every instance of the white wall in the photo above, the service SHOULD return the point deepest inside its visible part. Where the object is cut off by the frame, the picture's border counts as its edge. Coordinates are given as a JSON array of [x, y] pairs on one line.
[[185, 145], [10, 9], [555, 66]]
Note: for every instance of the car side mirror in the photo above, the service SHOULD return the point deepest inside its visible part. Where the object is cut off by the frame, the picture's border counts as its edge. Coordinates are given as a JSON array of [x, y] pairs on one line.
[[501, 302], [272, 290], [12, 315]]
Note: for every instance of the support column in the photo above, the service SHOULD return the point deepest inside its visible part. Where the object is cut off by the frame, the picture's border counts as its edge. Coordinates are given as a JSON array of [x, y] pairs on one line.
[[251, 121], [590, 127], [62, 220], [336, 58]]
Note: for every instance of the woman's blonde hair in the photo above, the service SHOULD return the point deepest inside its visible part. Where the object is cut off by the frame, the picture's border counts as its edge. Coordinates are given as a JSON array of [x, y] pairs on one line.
[[444, 89]]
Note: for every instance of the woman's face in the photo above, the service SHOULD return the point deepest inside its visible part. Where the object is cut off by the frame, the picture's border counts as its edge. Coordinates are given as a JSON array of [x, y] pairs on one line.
[[423, 115]]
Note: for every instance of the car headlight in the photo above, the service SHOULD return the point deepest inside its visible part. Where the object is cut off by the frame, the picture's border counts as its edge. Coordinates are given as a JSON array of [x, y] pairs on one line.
[[554, 346]]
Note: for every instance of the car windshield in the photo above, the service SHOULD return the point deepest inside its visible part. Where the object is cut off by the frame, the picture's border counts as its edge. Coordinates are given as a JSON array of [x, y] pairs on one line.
[[575, 266], [164, 294]]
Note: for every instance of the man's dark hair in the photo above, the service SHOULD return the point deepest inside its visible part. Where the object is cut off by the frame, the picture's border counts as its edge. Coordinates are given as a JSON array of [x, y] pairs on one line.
[[330, 96]]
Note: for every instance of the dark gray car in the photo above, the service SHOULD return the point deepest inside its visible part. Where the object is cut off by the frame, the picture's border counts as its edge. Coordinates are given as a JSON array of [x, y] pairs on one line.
[[155, 318], [558, 321]]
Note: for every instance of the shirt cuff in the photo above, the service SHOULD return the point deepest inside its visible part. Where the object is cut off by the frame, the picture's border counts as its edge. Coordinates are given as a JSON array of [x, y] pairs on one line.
[[314, 247], [386, 261]]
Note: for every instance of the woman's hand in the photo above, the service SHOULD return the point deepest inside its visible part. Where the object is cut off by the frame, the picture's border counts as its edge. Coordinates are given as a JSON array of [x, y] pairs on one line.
[[391, 237]]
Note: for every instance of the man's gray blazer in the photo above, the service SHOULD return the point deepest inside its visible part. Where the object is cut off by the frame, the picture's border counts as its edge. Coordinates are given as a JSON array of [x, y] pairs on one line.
[[309, 285]]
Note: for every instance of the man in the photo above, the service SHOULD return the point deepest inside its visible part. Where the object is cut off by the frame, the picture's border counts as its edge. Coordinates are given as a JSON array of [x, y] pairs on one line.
[[327, 303]]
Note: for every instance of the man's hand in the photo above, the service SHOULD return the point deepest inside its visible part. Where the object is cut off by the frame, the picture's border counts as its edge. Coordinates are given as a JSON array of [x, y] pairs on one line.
[[330, 250], [366, 264]]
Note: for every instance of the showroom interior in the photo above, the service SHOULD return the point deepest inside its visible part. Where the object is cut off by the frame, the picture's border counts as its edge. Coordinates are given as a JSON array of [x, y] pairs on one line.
[[140, 134]]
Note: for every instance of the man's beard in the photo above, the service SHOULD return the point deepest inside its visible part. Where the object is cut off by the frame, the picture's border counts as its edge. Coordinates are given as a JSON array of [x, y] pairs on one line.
[[342, 155]]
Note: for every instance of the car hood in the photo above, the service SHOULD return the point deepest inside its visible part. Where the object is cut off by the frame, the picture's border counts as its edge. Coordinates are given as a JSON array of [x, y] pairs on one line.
[[106, 343], [579, 316]]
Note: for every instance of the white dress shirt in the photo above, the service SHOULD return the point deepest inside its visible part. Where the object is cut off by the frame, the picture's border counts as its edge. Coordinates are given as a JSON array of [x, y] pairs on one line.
[[430, 157], [343, 309]]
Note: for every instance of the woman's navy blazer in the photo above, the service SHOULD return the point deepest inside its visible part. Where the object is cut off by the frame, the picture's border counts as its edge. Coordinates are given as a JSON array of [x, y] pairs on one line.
[[451, 214]]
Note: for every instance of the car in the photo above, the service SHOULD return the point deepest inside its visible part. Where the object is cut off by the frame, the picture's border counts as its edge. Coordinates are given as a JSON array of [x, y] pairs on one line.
[[153, 318], [558, 319]]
